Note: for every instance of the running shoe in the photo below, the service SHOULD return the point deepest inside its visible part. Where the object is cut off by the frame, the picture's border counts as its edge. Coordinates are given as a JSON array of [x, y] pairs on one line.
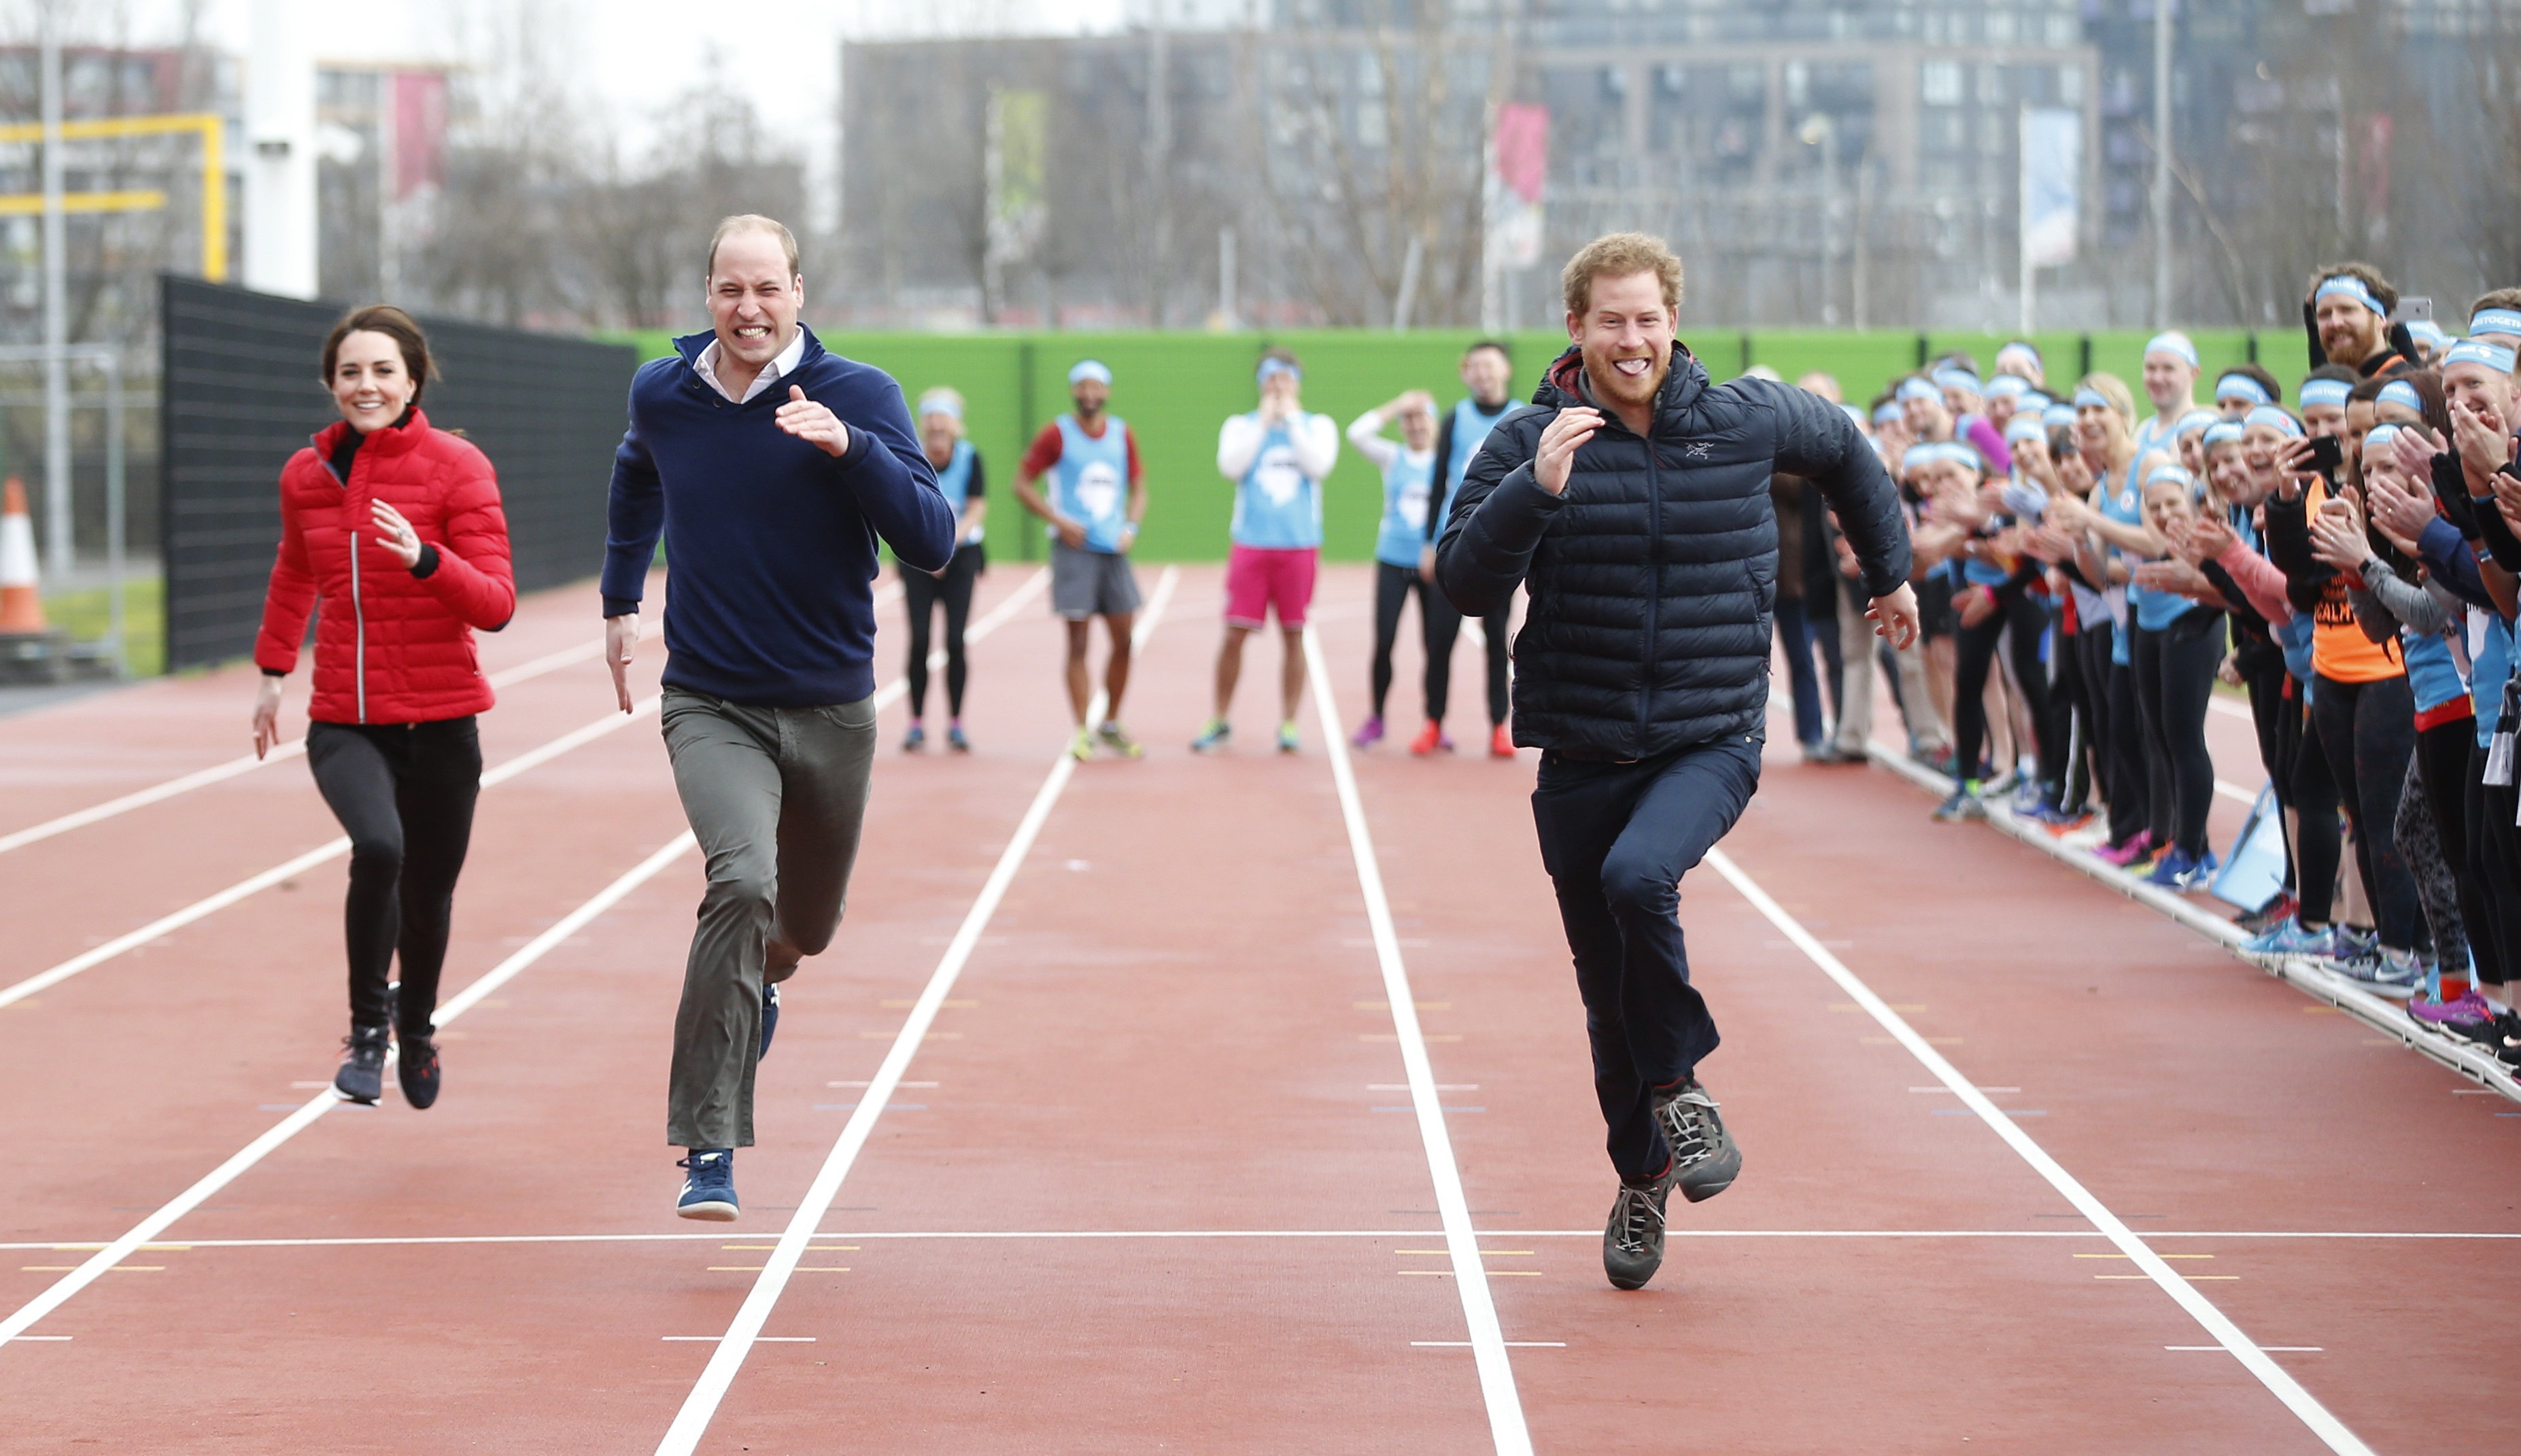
[[362, 1077], [416, 1068], [1288, 742], [2138, 846], [1704, 1158], [1431, 739], [2396, 973], [956, 739], [1632, 1241], [2465, 1018], [2287, 939], [1117, 740], [769, 1018], [1217, 735], [1369, 733], [2355, 941], [2273, 913], [1962, 806], [2509, 1052], [1501, 742], [2174, 870], [709, 1190], [914, 740], [1999, 785], [2063, 822], [1082, 747]]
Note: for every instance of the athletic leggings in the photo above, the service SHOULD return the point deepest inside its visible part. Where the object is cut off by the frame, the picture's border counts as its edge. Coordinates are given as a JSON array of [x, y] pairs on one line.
[[2093, 651], [2318, 844], [404, 795], [2495, 850], [1393, 587], [2130, 783], [2174, 676], [2277, 717], [2071, 706], [2366, 732], [1444, 625], [921, 595], [2433, 837], [1976, 654]]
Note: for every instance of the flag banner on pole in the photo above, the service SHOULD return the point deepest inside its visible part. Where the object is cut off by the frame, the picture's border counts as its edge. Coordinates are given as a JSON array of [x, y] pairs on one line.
[[1519, 171], [2052, 165]]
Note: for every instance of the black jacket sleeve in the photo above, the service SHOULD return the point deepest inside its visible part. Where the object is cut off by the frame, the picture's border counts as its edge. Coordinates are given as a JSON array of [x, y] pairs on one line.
[[2289, 549], [1443, 473], [1816, 438], [2496, 534], [1497, 519]]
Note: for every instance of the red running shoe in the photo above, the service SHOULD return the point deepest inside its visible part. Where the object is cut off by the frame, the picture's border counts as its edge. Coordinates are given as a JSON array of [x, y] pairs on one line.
[[1431, 739], [1500, 743]]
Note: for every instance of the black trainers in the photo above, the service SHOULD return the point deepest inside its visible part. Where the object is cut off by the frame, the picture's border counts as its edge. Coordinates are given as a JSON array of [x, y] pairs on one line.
[[417, 1067], [1632, 1241], [1704, 1158], [362, 1077], [769, 1018], [709, 1191]]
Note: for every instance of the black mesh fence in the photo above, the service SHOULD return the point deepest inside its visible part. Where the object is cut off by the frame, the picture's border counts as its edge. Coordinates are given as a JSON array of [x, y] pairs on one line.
[[240, 392]]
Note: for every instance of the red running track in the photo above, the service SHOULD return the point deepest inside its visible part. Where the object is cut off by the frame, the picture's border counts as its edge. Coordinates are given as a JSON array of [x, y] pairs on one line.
[[1150, 1176]]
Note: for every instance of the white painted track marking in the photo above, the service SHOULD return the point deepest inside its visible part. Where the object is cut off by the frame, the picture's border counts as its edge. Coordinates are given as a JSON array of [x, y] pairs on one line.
[[146, 1229], [1504, 1403], [527, 761], [701, 1405], [2330, 1430]]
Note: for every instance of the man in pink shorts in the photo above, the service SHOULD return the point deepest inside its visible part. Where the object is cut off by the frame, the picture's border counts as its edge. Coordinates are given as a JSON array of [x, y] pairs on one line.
[[1277, 456]]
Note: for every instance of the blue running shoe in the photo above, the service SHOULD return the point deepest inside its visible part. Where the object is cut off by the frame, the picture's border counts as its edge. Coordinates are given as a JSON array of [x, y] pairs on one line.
[[2172, 870], [769, 1018], [2202, 873], [2396, 973], [2287, 939], [710, 1190], [1964, 805]]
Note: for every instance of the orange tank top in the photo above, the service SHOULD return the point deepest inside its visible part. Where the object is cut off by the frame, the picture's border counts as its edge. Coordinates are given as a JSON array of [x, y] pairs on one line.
[[2339, 649]]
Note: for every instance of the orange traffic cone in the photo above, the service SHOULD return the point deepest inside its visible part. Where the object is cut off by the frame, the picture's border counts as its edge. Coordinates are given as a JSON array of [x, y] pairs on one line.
[[20, 608]]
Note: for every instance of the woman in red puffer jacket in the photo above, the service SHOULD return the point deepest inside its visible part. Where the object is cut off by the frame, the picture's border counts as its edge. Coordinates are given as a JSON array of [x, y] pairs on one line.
[[397, 529]]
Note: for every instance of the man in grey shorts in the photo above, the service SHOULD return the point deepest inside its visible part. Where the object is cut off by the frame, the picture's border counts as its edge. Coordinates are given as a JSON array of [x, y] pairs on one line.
[[771, 465], [1098, 495]]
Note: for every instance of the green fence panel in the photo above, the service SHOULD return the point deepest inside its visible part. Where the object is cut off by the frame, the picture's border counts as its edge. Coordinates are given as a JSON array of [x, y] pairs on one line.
[[1862, 361]]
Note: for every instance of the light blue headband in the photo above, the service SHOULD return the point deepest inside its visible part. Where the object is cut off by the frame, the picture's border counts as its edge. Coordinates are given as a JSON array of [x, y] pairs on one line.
[[1886, 412], [2022, 346], [1090, 369], [1855, 412], [2092, 399], [2401, 393], [2007, 387], [2176, 475], [2223, 433], [2494, 321], [1953, 377], [2242, 387], [1271, 368], [2324, 392], [2427, 332], [2194, 420], [2478, 351], [1951, 452], [939, 402], [2058, 417], [2175, 343], [2276, 419], [2024, 427], [2349, 286], [1913, 387], [2032, 399], [2381, 434]]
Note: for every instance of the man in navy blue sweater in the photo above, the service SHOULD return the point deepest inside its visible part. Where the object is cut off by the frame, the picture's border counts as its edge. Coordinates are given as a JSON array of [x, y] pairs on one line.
[[770, 508]]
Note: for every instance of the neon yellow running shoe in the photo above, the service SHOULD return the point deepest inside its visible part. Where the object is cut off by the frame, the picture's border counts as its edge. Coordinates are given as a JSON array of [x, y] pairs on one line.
[[1117, 740], [1082, 747]]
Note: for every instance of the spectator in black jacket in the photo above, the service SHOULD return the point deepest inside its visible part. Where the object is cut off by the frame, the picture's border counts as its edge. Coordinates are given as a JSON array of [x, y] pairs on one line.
[[1633, 507]]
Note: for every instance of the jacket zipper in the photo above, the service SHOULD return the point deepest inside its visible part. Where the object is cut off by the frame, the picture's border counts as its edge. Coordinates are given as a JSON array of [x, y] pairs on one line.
[[1654, 590], [359, 629]]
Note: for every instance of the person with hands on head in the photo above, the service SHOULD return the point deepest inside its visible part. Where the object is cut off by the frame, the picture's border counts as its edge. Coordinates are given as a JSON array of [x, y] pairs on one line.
[[1277, 456], [1401, 567], [397, 527], [964, 481], [771, 467], [1632, 505], [1098, 496]]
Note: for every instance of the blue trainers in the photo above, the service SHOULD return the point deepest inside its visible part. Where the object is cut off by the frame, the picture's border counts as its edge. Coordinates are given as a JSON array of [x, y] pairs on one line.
[[769, 1018], [2396, 973], [2174, 870], [1215, 736], [1963, 805], [2287, 939], [709, 1190]]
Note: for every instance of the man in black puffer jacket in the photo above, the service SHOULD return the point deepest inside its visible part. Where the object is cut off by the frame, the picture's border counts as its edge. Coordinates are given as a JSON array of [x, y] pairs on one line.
[[1633, 503]]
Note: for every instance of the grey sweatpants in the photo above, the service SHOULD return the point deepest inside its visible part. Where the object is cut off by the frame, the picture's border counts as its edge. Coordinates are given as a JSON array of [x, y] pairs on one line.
[[774, 796]]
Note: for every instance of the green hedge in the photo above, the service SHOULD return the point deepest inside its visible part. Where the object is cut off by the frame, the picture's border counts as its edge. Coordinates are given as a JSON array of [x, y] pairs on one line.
[[1175, 388]]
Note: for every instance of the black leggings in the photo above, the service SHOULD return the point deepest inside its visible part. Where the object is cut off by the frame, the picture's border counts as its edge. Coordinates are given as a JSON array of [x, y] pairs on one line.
[[2278, 719], [1393, 587], [2366, 731], [1975, 654], [2433, 837], [2130, 788], [2495, 850], [1443, 625], [2317, 842], [404, 795], [2092, 653], [921, 595], [2174, 676]]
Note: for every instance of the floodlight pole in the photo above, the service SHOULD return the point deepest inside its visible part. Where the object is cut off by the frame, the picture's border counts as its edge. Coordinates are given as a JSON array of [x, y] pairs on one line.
[[57, 385]]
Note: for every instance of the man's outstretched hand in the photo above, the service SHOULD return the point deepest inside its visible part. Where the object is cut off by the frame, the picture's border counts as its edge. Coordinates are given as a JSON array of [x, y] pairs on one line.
[[1895, 617], [813, 423]]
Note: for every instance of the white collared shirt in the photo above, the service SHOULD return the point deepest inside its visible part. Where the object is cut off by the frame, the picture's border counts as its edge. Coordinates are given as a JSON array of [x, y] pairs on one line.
[[706, 366]]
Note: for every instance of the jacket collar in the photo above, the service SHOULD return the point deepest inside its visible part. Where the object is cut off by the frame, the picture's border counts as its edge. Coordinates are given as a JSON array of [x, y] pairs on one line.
[[687, 351], [398, 438], [1564, 384]]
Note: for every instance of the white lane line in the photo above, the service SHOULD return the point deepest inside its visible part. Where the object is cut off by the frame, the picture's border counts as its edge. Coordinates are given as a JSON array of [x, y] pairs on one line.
[[1509, 1344], [247, 763], [2229, 790], [148, 1229], [757, 1338], [2217, 701], [531, 759], [1506, 1427], [2327, 1427], [692, 1421], [2282, 1349]]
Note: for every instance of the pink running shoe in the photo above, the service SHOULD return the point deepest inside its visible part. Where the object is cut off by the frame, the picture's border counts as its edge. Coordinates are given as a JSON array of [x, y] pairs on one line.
[[1369, 733], [2466, 1017], [2124, 856]]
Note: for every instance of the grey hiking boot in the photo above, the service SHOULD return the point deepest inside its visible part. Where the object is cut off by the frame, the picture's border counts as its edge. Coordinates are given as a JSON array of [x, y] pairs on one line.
[[1632, 1241], [1704, 1158]]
